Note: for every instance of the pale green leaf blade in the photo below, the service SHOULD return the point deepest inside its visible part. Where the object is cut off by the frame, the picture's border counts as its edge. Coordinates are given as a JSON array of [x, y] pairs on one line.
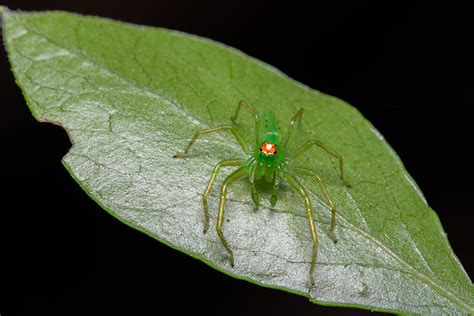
[[130, 97]]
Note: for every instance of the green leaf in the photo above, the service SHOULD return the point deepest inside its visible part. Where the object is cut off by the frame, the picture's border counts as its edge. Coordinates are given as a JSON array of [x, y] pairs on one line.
[[130, 97]]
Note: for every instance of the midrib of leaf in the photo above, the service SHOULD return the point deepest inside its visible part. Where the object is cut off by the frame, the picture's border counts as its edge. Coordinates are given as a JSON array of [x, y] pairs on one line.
[[183, 111], [410, 269], [448, 294]]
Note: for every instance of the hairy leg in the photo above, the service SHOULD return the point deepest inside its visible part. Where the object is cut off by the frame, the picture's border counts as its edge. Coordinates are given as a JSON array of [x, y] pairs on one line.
[[215, 171], [308, 145], [199, 133], [307, 172], [295, 119], [239, 173], [309, 215], [252, 111]]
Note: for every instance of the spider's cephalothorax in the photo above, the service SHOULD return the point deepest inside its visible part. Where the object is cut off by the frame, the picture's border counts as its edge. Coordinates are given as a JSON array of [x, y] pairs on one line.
[[268, 150], [268, 163]]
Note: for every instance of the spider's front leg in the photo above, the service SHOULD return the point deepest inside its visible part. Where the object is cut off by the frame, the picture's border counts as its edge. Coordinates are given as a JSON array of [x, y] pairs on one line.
[[215, 171], [309, 216], [276, 185], [307, 172], [253, 179], [239, 173]]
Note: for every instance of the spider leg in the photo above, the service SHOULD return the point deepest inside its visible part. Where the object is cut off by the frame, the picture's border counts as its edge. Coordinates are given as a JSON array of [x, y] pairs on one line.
[[255, 197], [276, 184], [199, 133], [295, 119], [215, 171], [239, 173], [252, 111], [309, 215], [331, 152], [307, 172]]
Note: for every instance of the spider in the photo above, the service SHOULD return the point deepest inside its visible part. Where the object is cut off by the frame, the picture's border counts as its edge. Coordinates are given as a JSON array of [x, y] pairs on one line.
[[267, 162]]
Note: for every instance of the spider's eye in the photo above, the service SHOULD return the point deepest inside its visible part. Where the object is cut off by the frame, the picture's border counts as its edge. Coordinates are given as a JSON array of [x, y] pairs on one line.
[[268, 148]]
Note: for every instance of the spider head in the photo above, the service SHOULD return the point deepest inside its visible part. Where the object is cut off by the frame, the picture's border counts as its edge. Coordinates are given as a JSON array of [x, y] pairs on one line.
[[268, 152]]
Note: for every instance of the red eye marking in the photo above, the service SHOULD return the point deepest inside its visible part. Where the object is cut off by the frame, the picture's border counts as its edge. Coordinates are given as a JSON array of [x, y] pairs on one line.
[[268, 148]]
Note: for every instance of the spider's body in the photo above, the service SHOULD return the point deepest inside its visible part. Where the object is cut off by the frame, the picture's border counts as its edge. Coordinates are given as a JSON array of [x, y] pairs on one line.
[[267, 163], [270, 131], [268, 155]]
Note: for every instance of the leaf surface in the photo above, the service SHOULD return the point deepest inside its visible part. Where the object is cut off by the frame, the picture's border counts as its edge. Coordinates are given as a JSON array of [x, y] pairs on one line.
[[130, 97]]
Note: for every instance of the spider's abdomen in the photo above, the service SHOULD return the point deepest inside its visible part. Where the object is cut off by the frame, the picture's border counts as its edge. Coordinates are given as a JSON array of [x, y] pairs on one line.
[[269, 129], [268, 153]]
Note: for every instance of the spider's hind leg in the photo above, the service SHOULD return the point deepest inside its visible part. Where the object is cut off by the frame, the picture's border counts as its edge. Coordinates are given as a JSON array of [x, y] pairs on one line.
[[329, 151], [252, 111], [202, 132], [291, 125]]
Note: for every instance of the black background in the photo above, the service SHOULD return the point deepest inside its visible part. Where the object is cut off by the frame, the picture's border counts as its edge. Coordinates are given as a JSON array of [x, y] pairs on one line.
[[407, 67]]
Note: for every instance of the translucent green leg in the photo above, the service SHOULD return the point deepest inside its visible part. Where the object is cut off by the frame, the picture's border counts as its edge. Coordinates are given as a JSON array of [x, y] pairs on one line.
[[309, 215], [308, 172], [255, 197], [215, 171], [254, 113], [296, 118], [306, 146], [242, 171], [199, 133], [276, 184]]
